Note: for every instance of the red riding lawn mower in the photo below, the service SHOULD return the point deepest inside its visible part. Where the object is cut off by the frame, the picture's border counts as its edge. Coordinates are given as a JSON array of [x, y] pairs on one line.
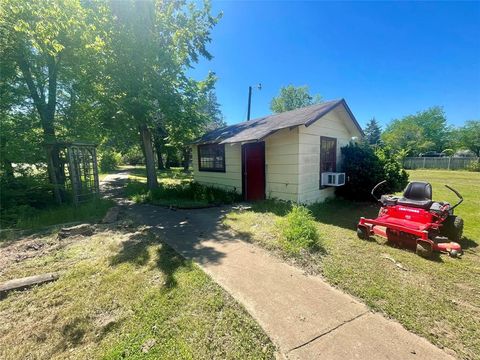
[[416, 222]]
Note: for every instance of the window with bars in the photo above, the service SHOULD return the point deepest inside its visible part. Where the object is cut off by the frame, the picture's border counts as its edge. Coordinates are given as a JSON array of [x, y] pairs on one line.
[[211, 157]]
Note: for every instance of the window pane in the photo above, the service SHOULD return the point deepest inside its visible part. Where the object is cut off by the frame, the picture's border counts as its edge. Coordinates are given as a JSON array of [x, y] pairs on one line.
[[211, 157]]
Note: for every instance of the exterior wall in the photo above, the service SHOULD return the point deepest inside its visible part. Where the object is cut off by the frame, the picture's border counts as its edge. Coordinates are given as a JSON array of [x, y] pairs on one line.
[[292, 160], [281, 165], [231, 179], [333, 124]]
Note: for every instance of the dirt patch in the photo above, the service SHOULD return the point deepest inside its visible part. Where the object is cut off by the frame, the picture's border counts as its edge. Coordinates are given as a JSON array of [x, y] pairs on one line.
[[30, 247]]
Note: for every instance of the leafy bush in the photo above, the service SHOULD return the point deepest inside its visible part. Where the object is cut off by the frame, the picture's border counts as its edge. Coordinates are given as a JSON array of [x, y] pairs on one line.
[[473, 165], [28, 202], [109, 160], [23, 196], [298, 230], [365, 167], [190, 194], [396, 176], [133, 156]]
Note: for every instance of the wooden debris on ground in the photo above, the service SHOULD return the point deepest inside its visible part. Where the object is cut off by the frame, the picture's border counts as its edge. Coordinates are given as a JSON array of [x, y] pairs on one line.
[[26, 282], [396, 263], [82, 229]]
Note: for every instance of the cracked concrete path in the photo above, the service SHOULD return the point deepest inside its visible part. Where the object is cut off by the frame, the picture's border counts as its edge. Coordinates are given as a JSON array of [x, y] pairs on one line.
[[304, 316]]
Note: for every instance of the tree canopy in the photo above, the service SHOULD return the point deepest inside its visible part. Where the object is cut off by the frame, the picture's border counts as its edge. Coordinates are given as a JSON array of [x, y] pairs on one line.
[[468, 136], [293, 97], [103, 71], [424, 131]]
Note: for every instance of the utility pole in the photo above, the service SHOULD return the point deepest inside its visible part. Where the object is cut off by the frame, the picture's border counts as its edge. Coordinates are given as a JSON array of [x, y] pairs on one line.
[[259, 87], [249, 102]]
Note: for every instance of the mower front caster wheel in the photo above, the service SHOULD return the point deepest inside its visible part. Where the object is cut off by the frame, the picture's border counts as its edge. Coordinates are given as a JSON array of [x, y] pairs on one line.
[[363, 233], [424, 249], [455, 253]]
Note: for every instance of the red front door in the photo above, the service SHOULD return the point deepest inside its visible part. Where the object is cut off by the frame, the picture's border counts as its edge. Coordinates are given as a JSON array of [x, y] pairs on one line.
[[253, 165]]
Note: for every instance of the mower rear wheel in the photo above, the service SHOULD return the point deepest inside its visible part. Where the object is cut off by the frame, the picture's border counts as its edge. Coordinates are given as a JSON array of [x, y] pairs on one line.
[[452, 228], [363, 233], [424, 249]]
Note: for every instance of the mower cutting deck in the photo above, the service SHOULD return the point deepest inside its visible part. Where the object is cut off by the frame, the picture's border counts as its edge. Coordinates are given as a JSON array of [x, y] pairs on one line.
[[415, 221]]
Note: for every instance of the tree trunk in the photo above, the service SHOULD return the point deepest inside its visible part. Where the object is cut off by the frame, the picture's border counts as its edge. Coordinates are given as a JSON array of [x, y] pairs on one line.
[[46, 111], [146, 135], [8, 168], [186, 158], [167, 160], [158, 150], [7, 164]]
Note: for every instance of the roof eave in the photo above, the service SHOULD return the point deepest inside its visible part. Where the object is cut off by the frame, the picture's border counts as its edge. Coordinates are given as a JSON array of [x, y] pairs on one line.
[[323, 112], [330, 108]]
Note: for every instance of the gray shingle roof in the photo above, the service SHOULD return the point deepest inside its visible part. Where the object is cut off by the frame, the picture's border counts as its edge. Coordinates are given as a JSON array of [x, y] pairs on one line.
[[258, 129]]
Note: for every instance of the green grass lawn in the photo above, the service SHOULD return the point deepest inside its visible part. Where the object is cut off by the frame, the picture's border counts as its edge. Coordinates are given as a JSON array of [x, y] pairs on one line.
[[438, 299], [122, 294], [172, 176]]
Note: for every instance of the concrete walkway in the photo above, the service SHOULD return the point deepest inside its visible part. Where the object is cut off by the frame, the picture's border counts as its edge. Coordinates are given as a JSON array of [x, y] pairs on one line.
[[304, 316]]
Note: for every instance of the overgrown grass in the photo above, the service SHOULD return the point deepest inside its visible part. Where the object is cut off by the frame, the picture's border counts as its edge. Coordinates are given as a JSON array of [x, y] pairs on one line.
[[298, 231], [181, 195], [89, 211], [438, 299], [34, 219], [124, 295]]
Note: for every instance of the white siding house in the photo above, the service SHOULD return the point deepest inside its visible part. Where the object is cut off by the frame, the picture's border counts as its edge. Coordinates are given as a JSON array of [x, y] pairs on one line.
[[280, 156], [231, 179]]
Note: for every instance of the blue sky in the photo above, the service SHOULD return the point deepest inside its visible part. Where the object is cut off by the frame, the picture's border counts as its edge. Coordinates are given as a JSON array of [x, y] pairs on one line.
[[387, 59]]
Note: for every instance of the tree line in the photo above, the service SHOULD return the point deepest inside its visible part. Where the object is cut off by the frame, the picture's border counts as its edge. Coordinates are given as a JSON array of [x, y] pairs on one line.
[[425, 132], [110, 72], [412, 135]]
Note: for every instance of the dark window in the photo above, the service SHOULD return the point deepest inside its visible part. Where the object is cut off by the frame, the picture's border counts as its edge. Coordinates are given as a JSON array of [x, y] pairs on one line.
[[211, 157], [328, 155]]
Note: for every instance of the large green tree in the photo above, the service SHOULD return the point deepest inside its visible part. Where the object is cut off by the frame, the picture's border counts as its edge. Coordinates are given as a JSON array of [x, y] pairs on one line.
[[293, 97], [151, 47], [46, 48], [424, 131], [468, 137]]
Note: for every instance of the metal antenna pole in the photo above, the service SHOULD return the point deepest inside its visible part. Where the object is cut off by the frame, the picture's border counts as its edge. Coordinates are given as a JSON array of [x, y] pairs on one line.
[[249, 102]]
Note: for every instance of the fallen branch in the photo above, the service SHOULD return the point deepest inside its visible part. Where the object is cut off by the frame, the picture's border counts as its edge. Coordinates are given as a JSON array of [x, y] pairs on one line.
[[396, 263], [26, 282], [82, 229]]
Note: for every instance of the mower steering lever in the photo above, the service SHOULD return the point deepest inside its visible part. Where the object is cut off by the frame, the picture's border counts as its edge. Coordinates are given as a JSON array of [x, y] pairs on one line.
[[458, 195], [375, 188]]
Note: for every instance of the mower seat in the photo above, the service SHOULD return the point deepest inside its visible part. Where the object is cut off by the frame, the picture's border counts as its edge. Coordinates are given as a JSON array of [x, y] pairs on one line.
[[417, 194]]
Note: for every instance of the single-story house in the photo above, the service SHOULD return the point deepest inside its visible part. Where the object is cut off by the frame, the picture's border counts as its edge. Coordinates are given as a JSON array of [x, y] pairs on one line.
[[278, 156]]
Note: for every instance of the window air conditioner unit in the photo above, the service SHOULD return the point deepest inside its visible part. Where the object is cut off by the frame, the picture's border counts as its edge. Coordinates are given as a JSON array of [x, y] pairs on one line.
[[333, 179]]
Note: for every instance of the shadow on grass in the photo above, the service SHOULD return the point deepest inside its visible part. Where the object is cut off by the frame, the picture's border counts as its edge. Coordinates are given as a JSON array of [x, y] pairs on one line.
[[136, 251], [468, 243], [74, 331], [343, 213], [170, 262], [337, 212]]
